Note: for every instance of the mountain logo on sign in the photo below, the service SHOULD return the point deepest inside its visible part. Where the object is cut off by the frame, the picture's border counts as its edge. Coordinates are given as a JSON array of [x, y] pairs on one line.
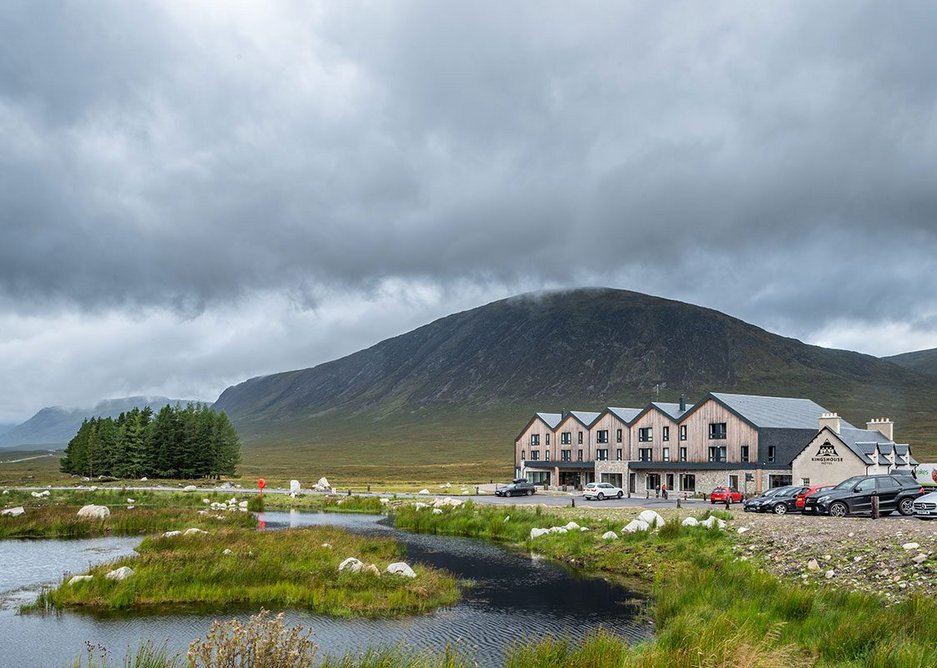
[[827, 453]]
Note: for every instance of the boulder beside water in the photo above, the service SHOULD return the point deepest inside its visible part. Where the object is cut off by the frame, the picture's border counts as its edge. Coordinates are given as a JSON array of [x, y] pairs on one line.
[[401, 568], [119, 574], [93, 512]]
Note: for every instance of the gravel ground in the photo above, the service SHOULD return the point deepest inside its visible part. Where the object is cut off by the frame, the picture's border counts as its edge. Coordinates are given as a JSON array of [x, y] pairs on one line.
[[893, 558]]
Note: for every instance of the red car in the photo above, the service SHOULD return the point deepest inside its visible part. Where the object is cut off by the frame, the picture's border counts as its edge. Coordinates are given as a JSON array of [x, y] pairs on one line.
[[720, 494], [807, 491]]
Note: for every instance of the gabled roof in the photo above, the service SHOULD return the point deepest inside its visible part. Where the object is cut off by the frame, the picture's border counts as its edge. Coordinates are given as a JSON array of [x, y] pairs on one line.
[[551, 419], [872, 447], [671, 410], [626, 415], [585, 417], [773, 412]]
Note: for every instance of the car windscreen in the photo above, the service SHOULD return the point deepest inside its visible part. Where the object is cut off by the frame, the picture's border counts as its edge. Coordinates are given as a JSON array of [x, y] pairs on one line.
[[848, 482]]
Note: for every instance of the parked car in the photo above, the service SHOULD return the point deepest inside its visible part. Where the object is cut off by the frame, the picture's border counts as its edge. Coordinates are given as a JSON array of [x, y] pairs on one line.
[[777, 500], [854, 495], [809, 490], [518, 487], [925, 507], [602, 491], [720, 494]]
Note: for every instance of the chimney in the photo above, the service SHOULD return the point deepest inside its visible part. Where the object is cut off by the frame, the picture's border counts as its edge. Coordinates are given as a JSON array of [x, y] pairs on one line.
[[682, 404], [830, 420], [883, 425]]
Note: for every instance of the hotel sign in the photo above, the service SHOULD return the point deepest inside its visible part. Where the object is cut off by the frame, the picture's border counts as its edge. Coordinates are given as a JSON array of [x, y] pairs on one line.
[[826, 454]]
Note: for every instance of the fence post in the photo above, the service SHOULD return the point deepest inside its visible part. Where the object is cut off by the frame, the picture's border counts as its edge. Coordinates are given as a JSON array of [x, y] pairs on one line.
[[875, 510]]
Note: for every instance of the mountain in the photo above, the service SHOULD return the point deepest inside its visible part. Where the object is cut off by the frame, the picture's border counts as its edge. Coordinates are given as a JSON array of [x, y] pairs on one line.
[[56, 426], [456, 391], [924, 361]]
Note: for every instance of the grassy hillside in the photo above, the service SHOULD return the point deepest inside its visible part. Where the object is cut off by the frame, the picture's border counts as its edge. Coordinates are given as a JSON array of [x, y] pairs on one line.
[[924, 361], [449, 397]]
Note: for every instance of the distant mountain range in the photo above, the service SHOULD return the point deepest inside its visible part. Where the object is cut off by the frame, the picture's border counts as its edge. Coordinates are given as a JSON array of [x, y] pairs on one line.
[[456, 391], [924, 361], [55, 426]]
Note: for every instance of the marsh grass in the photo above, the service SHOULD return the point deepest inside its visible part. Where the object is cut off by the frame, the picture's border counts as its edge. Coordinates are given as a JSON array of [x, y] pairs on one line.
[[61, 521], [289, 568]]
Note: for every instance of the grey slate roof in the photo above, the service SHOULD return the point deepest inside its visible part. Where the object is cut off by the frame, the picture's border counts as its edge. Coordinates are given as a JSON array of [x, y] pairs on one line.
[[775, 412], [673, 410], [552, 419], [627, 415], [586, 417], [872, 447]]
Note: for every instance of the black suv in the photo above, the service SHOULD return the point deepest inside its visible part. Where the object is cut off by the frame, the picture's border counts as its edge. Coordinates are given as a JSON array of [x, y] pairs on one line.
[[854, 495], [518, 487]]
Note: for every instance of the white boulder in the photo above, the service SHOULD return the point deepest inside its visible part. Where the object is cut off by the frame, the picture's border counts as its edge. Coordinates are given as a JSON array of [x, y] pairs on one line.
[[40, 495], [384, 499], [448, 501], [350, 564], [322, 485], [690, 522], [636, 525], [189, 488], [131, 501], [536, 533], [813, 565], [424, 492], [420, 506], [119, 574], [93, 512], [193, 531], [558, 530], [295, 487], [401, 568], [172, 534], [144, 479], [80, 578], [437, 511], [651, 518], [243, 505], [713, 521], [920, 558], [744, 529], [207, 502], [372, 569], [571, 526], [6, 491], [911, 546], [609, 535], [13, 512], [227, 550]]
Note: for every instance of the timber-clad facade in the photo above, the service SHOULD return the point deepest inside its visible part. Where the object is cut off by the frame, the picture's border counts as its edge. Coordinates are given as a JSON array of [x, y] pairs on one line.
[[748, 442]]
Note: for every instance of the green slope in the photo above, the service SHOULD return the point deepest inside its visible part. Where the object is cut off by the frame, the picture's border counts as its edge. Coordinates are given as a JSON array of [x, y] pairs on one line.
[[923, 361], [457, 390]]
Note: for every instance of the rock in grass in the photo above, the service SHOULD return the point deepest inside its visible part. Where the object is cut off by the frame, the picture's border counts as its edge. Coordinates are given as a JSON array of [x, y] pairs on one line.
[[911, 546], [228, 550], [172, 534], [690, 522], [295, 487], [830, 573], [322, 486], [448, 501], [813, 565], [80, 578], [744, 529], [92, 512], [437, 511], [401, 568], [651, 518], [193, 531], [119, 574], [558, 530], [372, 569], [189, 488], [423, 491], [6, 491], [14, 512], [919, 559], [40, 495], [536, 533], [350, 564], [571, 526], [635, 525], [609, 535], [713, 521]]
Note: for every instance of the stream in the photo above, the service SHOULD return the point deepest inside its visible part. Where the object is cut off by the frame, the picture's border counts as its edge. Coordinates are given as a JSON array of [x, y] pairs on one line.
[[515, 598]]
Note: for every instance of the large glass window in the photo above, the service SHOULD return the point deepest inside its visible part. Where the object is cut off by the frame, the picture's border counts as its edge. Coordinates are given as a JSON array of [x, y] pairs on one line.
[[717, 453], [601, 436], [565, 455], [717, 430], [535, 439], [601, 454], [646, 454], [566, 437], [688, 482], [646, 434]]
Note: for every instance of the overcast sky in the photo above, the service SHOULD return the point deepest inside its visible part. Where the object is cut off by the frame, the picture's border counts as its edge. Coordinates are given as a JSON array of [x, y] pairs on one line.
[[192, 194]]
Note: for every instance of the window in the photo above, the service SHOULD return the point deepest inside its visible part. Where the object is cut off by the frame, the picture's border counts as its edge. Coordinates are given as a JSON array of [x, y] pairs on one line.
[[548, 439], [734, 483], [805, 482], [566, 437], [683, 454], [646, 455], [618, 436], [665, 433], [601, 455], [771, 453], [717, 453], [580, 438], [535, 439], [618, 454], [887, 483], [866, 485], [522, 456], [580, 455], [546, 455], [688, 482], [666, 454], [745, 453], [682, 432], [717, 430], [601, 436], [534, 455], [646, 434], [565, 455]]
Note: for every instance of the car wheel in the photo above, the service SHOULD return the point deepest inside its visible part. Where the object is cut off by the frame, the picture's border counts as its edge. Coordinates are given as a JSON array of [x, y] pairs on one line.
[[530, 492], [780, 509], [620, 494], [838, 509], [906, 507], [601, 496]]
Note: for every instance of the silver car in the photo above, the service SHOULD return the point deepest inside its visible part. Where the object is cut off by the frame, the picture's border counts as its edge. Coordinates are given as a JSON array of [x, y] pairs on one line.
[[925, 507]]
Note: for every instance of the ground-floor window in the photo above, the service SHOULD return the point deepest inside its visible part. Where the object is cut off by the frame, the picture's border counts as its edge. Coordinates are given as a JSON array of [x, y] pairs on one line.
[[779, 480], [632, 482], [538, 477], [613, 478], [734, 481], [688, 482], [652, 481], [570, 478]]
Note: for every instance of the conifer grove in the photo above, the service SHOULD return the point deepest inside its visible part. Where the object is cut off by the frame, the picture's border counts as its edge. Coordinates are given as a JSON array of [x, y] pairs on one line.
[[177, 442]]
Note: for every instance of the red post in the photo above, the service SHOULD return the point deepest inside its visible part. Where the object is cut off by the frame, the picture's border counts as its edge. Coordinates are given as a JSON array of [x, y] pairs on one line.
[[261, 484]]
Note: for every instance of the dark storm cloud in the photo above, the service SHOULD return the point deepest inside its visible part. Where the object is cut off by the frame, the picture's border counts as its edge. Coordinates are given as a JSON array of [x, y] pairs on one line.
[[775, 161]]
